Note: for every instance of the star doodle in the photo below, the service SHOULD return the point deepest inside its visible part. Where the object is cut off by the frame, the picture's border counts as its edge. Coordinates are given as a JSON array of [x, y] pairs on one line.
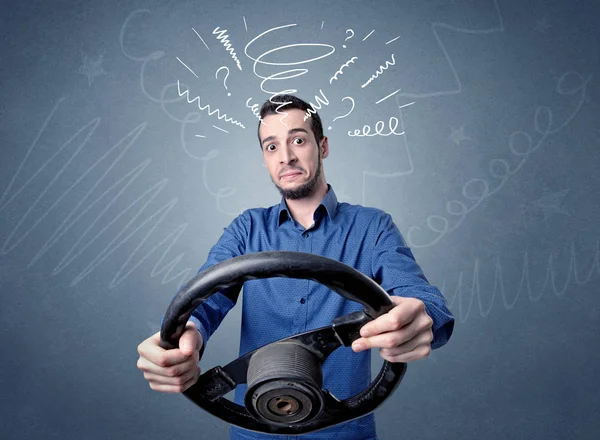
[[550, 203], [458, 135], [91, 67]]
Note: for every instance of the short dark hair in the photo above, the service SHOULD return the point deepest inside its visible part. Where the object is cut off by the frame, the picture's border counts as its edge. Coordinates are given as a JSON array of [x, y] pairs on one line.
[[280, 103]]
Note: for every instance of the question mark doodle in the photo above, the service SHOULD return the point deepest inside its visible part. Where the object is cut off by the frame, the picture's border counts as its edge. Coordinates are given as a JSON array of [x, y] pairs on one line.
[[343, 116], [347, 38], [224, 79]]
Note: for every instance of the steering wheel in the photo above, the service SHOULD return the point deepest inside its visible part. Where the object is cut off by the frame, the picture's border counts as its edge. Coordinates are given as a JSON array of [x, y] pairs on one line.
[[284, 394]]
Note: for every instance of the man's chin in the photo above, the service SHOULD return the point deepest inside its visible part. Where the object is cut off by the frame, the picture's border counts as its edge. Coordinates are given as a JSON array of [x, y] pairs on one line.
[[297, 191]]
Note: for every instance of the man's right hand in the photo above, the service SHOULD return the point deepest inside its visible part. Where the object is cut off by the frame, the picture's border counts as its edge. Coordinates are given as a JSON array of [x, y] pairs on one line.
[[171, 371]]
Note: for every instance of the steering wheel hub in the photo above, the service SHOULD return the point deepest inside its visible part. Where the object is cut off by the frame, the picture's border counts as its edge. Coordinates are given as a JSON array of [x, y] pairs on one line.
[[284, 384]]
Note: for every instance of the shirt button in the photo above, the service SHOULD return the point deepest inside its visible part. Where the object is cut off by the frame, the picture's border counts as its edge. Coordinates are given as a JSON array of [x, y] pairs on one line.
[[302, 300]]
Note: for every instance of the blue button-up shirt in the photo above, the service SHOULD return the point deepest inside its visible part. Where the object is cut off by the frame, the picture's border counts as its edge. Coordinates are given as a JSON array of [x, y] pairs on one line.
[[275, 308]]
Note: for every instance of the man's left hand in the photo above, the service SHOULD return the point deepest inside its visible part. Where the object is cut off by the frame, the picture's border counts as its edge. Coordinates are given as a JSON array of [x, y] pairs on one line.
[[403, 334]]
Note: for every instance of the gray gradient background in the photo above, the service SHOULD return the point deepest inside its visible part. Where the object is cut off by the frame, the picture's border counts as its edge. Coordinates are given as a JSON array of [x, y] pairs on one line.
[[494, 185]]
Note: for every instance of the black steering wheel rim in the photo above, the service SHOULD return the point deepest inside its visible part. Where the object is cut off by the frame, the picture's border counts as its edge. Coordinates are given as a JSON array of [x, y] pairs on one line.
[[344, 280]]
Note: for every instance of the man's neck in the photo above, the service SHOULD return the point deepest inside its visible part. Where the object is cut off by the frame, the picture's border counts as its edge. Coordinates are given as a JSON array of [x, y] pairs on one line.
[[302, 210]]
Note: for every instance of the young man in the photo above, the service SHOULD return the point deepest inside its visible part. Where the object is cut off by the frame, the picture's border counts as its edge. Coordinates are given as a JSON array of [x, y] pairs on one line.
[[310, 219]]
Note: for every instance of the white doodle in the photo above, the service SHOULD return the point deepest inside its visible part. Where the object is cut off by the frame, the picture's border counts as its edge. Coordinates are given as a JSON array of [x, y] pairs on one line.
[[287, 74], [211, 112], [201, 39], [348, 37], [343, 116], [255, 109], [379, 126], [392, 40], [223, 37], [224, 79], [387, 96], [379, 71], [341, 69], [319, 104], [187, 67]]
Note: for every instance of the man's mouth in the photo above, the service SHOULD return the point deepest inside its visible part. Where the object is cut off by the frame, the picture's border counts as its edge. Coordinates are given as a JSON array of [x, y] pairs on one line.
[[289, 175]]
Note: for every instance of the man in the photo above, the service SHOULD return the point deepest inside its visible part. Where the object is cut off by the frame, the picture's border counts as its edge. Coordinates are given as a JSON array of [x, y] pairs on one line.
[[310, 219]]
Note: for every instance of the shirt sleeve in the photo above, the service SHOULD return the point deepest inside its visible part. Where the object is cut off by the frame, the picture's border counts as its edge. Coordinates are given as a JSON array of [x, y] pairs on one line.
[[396, 270], [209, 315]]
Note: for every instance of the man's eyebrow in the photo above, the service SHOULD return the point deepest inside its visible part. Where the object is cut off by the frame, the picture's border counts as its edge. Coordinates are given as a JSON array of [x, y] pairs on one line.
[[291, 131]]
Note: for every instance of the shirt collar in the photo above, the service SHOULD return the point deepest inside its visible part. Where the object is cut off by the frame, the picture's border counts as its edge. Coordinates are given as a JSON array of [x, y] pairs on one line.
[[329, 203]]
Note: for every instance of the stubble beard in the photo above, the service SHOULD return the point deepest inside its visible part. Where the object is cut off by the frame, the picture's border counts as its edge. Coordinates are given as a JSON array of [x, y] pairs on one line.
[[304, 190]]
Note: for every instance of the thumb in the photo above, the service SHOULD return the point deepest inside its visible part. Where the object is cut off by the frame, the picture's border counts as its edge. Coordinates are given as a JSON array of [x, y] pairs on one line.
[[190, 339]]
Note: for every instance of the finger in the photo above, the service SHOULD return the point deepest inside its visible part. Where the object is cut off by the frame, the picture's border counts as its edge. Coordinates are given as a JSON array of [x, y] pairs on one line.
[[172, 379], [402, 314], [421, 352], [422, 324], [180, 385], [418, 343], [167, 370], [153, 352], [190, 341], [384, 340]]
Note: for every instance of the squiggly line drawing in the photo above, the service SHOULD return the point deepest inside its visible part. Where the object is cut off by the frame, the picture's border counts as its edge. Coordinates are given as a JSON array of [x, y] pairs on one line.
[[500, 168], [465, 310], [380, 71], [223, 37], [318, 105], [223, 116], [341, 69], [79, 210]]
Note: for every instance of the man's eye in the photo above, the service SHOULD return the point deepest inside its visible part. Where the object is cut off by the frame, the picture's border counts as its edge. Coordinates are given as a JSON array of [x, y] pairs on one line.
[[298, 141], [270, 147]]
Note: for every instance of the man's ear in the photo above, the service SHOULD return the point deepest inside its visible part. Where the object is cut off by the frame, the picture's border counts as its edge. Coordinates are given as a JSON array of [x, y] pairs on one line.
[[324, 150]]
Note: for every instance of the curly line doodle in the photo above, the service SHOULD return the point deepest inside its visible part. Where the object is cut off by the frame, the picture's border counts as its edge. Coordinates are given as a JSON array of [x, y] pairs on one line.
[[366, 130], [521, 145], [341, 69], [465, 305]]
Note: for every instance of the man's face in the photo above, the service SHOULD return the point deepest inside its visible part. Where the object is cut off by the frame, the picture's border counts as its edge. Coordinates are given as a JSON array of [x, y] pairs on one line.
[[291, 153]]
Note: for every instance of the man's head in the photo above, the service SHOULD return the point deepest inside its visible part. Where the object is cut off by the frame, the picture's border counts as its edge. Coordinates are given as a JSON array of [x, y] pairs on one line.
[[293, 146]]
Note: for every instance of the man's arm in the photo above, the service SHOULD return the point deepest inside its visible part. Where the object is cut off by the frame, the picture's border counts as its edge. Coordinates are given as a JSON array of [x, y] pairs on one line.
[[395, 269], [209, 315]]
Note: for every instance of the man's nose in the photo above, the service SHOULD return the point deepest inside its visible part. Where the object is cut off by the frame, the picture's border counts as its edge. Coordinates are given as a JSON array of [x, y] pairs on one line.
[[286, 155]]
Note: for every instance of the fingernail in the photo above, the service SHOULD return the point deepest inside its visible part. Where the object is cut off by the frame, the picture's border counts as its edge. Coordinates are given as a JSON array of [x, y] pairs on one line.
[[364, 332], [186, 347], [357, 346]]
